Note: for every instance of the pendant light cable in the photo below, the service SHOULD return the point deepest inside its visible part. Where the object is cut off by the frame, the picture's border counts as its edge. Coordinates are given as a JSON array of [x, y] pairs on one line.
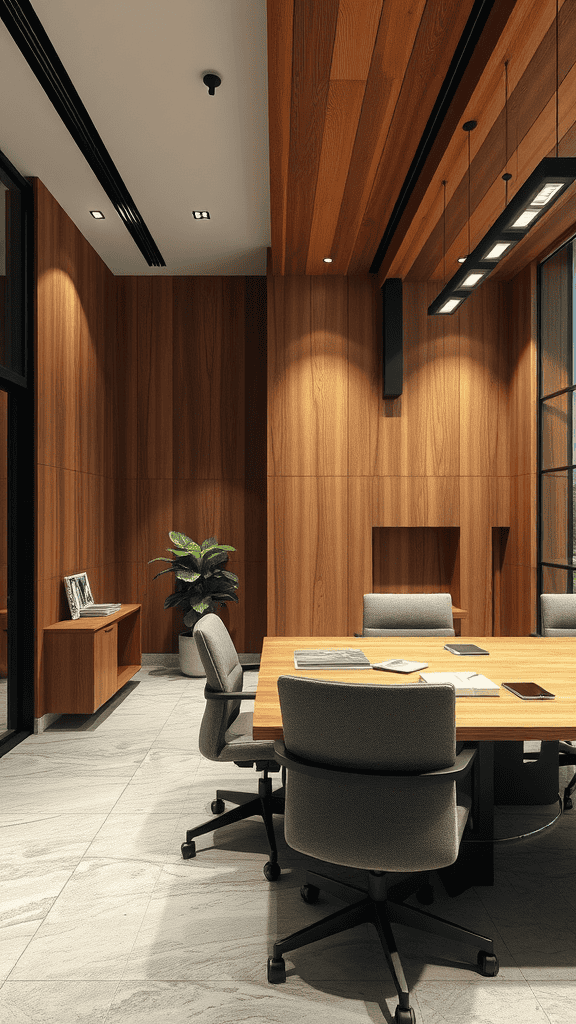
[[557, 78]]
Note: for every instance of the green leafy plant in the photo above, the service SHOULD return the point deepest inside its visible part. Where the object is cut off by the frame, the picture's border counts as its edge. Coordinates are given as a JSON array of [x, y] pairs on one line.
[[202, 582]]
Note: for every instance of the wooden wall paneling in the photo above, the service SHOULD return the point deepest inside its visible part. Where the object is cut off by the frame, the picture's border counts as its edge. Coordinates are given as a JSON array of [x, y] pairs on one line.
[[57, 346], [313, 43], [476, 555], [126, 389], [364, 375], [484, 381], [57, 524], [359, 542], [416, 560], [423, 440], [416, 501], [310, 569], [209, 377], [307, 372], [155, 378]]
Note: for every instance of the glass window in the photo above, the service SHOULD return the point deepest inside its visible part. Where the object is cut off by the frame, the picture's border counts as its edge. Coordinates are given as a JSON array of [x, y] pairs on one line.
[[557, 450]]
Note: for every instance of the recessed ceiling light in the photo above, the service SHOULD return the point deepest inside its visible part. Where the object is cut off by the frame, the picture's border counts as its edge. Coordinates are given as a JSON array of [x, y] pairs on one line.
[[200, 214], [462, 259], [327, 259], [97, 214]]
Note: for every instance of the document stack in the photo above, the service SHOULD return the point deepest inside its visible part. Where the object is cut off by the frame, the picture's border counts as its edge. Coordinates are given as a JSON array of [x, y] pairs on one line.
[[317, 659], [99, 609]]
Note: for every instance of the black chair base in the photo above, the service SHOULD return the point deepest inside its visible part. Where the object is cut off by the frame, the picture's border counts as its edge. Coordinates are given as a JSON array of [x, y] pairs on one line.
[[377, 908], [265, 804]]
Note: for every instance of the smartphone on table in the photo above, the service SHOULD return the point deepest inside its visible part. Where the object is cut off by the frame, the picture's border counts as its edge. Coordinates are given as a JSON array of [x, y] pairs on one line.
[[529, 691]]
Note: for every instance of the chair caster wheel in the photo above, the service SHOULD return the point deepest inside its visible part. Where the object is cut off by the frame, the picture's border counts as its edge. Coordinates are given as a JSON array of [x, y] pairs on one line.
[[425, 894], [404, 1016], [217, 806], [188, 850], [488, 964], [271, 870], [276, 970], [567, 806], [310, 893]]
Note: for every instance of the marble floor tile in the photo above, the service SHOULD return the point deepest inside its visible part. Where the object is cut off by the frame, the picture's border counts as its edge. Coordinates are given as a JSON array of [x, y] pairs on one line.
[[52, 795], [56, 1002], [145, 797], [140, 837], [82, 941], [225, 932], [488, 1001], [557, 999], [216, 1002]]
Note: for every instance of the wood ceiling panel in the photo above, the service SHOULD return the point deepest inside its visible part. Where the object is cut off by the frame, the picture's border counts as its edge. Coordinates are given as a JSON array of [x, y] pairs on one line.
[[314, 34], [342, 113], [356, 30], [394, 44], [439, 32], [352, 87], [531, 136], [528, 22]]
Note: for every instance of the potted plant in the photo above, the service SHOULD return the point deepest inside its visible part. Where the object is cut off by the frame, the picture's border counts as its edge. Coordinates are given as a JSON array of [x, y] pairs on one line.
[[201, 584]]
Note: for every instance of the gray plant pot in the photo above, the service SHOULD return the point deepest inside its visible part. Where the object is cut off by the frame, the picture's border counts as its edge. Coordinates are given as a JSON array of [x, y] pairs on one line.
[[190, 663]]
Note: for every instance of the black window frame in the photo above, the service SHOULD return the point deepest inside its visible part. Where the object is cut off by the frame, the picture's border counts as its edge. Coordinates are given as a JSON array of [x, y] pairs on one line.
[[21, 502]]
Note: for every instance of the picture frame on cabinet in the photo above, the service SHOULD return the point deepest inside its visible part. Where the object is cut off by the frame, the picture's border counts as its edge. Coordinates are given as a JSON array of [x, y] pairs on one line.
[[78, 593]]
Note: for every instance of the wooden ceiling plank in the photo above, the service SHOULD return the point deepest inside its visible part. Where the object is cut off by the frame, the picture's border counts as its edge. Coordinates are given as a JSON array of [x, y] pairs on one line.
[[397, 32], [314, 33], [529, 113], [438, 35], [529, 23], [342, 113], [280, 28], [356, 31], [436, 164], [531, 134]]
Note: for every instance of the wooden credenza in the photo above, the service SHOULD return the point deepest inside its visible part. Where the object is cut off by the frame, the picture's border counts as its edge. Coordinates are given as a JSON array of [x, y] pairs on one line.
[[87, 660]]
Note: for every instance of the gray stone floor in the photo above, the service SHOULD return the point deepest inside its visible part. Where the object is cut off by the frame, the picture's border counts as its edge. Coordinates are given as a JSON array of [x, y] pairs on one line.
[[102, 921]]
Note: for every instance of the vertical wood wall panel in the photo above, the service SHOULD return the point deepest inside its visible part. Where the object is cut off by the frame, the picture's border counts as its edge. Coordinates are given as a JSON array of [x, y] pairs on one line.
[[142, 423], [76, 412], [440, 456]]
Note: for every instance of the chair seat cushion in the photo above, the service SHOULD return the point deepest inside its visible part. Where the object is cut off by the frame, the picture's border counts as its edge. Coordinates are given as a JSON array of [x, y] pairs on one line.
[[239, 744]]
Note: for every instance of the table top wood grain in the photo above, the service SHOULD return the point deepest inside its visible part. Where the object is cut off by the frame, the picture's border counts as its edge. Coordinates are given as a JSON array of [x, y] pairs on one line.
[[548, 661]]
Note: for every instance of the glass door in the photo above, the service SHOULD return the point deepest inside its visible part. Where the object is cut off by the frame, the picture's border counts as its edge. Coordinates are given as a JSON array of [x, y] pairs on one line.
[[17, 574]]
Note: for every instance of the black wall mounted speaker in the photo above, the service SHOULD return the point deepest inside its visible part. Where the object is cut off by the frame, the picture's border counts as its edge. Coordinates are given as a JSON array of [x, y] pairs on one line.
[[393, 362]]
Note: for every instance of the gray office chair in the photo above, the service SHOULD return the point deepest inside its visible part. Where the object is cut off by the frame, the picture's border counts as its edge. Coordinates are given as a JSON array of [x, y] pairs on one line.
[[226, 735], [558, 614], [408, 615], [371, 784]]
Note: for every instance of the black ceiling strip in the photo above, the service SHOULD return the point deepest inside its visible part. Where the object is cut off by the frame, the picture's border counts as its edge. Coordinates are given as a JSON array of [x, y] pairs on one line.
[[29, 35], [470, 36]]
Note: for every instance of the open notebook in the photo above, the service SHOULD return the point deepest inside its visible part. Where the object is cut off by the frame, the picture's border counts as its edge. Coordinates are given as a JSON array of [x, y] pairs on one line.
[[467, 684]]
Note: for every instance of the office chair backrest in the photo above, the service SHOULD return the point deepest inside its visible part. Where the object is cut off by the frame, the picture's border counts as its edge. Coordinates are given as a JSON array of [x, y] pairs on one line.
[[408, 615], [558, 613], [402, 821], [224, 674]]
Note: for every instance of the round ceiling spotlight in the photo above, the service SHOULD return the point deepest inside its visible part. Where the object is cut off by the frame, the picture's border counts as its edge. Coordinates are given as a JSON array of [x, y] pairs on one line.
[[211, 81]]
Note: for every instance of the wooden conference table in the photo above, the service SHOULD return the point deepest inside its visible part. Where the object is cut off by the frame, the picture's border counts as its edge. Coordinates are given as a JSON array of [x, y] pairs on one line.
[[479, 720]]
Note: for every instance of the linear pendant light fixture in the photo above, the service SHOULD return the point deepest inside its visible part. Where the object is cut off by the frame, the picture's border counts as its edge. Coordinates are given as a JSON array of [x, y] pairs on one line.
[[537, 195]]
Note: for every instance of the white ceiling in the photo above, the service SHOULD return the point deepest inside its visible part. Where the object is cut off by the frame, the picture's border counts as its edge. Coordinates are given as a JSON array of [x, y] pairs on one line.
[[137, 66]]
